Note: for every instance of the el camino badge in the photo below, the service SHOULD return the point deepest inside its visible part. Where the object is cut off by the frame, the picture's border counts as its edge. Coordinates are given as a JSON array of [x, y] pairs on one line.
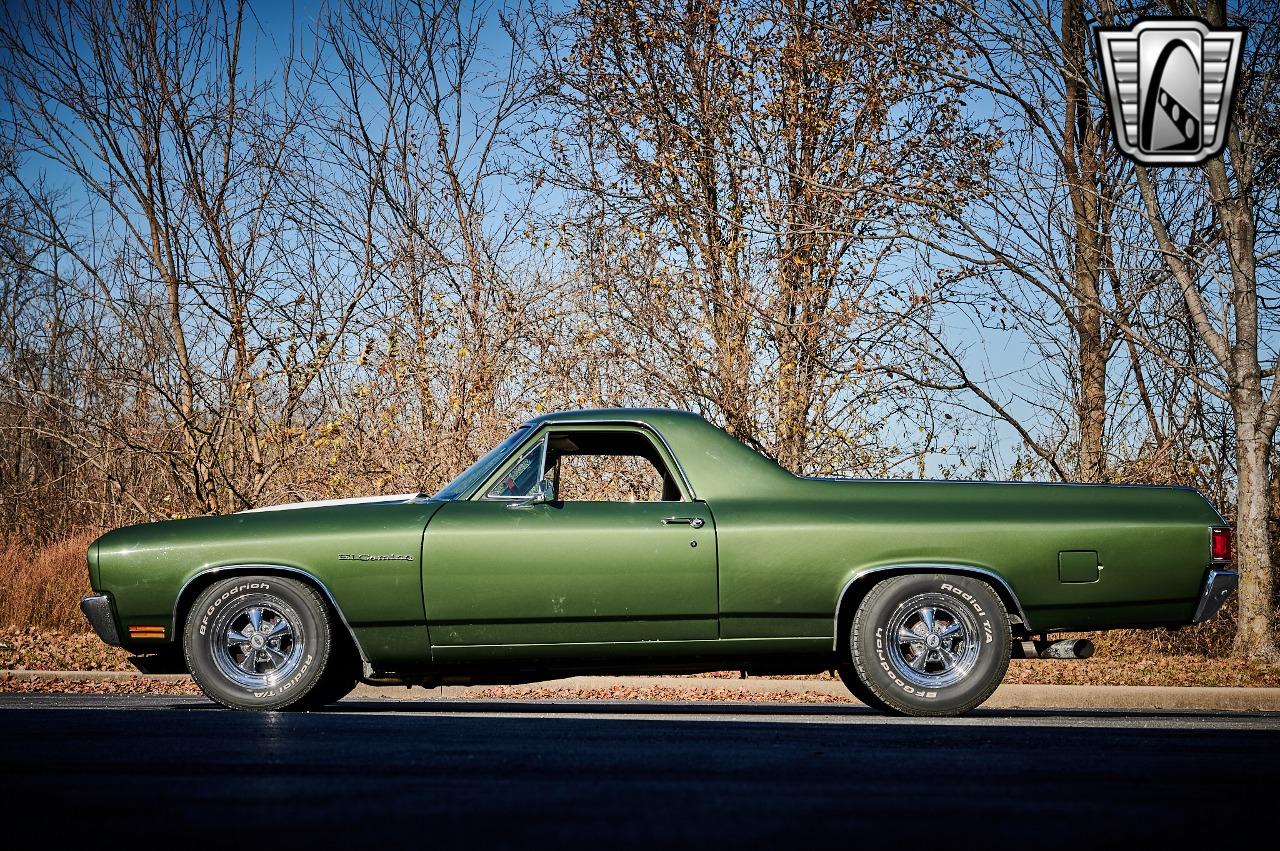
[[368, 557]]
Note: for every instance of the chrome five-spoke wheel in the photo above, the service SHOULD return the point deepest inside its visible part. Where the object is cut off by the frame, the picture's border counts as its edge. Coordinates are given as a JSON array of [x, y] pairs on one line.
[[257, 644], [934, 643]]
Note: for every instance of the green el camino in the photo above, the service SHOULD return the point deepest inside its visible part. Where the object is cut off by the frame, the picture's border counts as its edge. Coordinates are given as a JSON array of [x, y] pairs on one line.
[[650, 541]]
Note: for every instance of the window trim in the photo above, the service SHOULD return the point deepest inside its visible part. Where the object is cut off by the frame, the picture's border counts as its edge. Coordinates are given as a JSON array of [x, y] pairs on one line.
[[659, 466], [544, 430]]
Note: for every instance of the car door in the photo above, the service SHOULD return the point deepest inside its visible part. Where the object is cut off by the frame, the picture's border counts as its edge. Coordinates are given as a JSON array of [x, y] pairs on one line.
[[501, 573]]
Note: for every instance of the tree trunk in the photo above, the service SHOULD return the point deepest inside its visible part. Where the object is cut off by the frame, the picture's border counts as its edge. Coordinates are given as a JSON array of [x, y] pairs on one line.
[[1082, 162], [1091, 398], [1235, 348], [1255, 637]]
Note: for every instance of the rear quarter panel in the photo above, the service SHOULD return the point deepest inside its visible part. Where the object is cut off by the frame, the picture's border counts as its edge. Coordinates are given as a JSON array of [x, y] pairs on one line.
[[785, 561]]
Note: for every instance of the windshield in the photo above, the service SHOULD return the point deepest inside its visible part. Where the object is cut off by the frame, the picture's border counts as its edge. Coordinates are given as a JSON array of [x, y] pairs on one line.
[[477, 472]]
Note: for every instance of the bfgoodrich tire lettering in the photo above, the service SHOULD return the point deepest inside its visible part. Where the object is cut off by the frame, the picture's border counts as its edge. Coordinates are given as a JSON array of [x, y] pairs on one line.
[[849, 676], [930, 644], [259, 642]]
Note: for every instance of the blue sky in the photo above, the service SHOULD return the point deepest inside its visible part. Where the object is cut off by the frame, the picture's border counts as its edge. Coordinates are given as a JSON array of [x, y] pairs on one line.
[[992, 353], [279, 28]]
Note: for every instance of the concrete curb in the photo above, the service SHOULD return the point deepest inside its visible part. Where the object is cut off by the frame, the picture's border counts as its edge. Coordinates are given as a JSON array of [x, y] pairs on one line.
[[1008, 696], [92, 676]]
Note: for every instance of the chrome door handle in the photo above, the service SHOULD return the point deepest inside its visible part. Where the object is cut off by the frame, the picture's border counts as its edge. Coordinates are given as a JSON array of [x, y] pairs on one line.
[[695, 522]]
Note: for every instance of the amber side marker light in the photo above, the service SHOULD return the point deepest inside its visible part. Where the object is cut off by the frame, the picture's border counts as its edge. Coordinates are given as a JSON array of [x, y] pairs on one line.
[[1220, 544], [146, 632]]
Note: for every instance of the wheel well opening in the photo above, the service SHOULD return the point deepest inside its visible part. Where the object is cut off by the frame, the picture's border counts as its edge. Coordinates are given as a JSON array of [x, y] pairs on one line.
[[342, 636], [861, 586]]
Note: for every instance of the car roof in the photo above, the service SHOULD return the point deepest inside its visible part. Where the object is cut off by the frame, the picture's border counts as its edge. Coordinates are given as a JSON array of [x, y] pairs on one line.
[[650, 416]]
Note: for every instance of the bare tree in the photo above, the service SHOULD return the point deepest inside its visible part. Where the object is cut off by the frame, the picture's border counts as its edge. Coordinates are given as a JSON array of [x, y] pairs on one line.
[[420, 123], [726, 158], [181, 155], [1076, 243], [1037, 246], [1216, 231]]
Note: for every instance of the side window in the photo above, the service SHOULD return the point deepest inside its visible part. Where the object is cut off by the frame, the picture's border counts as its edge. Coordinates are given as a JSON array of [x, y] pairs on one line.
[[608, 466], [608, 478]]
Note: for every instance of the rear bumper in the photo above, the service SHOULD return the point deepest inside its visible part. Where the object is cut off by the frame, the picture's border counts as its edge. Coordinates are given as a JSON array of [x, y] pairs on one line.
[[1220, 585], [102, 617]]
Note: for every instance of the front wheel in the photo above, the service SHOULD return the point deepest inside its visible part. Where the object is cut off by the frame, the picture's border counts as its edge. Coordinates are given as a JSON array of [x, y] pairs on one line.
[[259, 642], [930, 644]]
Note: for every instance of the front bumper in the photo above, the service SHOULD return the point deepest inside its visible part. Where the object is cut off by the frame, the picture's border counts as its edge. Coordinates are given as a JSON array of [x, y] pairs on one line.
[[1220, 585], [102, 617]]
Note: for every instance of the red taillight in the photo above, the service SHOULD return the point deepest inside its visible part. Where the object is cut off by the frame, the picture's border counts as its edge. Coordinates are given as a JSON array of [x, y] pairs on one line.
[[1220, 544]]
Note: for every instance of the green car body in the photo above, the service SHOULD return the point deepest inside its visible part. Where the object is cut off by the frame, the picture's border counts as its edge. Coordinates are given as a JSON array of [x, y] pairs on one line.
[[460, 585]]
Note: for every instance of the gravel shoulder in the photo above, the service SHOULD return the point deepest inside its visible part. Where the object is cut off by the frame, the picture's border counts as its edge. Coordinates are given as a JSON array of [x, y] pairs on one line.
[[686, 689], [50, 650]]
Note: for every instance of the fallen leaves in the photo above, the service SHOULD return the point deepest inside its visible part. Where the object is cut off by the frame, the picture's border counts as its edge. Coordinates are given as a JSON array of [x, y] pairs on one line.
[[34, 649], [655, 693], [134, 685]]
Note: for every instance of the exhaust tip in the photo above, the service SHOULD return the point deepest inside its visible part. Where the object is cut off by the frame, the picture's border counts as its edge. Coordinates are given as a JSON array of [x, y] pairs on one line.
[[1067, 648]]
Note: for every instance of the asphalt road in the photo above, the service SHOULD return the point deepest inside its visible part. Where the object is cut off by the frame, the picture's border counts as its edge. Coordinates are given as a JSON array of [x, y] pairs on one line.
[[177, 772]]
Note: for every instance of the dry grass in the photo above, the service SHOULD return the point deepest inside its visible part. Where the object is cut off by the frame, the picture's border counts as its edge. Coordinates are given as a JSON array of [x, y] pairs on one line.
[[1144, 670], [41, 585], [1211, 639]]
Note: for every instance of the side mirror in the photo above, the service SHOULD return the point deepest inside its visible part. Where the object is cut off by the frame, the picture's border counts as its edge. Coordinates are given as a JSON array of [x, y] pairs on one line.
[[542, 493], [547, 488]]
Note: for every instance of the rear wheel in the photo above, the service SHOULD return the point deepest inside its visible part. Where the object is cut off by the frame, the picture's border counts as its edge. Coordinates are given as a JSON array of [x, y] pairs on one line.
[[929, 644], [259, 642]]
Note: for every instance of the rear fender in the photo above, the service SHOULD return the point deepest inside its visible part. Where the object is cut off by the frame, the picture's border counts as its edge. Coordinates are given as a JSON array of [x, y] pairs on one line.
[[858, 586]]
